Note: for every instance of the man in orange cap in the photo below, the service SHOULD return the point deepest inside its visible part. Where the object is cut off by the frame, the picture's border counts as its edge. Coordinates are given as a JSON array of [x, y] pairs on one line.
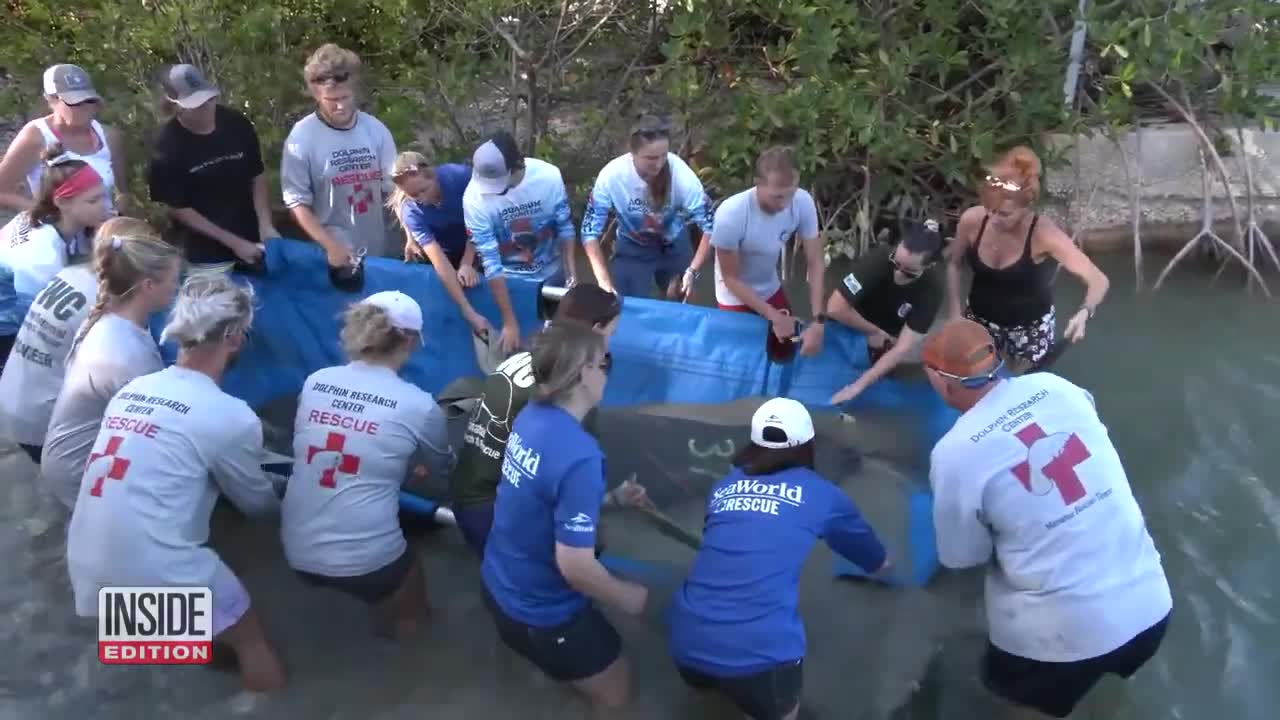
[[1028, 473]]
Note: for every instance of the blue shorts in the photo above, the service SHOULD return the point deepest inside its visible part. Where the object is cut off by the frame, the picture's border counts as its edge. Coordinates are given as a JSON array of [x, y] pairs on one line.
[[636, 269]]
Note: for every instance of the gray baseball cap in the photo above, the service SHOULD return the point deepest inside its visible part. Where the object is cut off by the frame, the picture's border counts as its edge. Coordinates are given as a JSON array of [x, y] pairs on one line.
[[70, 84], [489, 169], [186, 87]]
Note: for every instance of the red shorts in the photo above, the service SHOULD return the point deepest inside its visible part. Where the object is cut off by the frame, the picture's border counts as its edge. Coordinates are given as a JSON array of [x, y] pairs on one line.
[[779, 350]]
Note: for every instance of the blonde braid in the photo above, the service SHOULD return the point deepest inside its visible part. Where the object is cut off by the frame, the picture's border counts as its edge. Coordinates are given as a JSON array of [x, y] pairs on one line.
[[99, 309]]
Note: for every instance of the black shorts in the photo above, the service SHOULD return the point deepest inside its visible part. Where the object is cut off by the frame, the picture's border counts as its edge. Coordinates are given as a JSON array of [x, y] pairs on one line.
[[579, 649], [372, 587], [1054, 688], [767, 695], [35, 452]]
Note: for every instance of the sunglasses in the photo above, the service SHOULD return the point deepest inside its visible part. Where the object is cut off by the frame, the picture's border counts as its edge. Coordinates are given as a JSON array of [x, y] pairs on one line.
[[405, 172], [909, 273], [974, 382]]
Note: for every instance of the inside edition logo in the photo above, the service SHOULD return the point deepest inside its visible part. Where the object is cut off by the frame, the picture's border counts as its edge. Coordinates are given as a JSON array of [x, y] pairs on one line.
[[155, 625]]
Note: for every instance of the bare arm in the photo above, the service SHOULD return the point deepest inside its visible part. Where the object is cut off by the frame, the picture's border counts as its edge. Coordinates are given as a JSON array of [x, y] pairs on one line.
[[315, 230], [893, 357], [1059, 246], [966, 229], [22, 155], [498, 287], [448, 277], [585, 574], [119, 165], [262, 203], [700, 255], [816, 262], [841, 311]]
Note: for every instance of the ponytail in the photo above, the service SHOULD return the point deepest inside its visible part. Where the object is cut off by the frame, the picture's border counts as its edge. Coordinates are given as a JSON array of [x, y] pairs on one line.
[[126, 251]]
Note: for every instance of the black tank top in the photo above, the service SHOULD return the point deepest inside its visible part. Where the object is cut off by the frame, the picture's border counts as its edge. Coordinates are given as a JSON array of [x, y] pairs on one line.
[[1017, 295]]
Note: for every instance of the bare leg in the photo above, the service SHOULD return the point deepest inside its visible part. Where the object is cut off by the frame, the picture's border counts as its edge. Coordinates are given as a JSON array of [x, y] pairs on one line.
[[609, 690], [260, 667], [408, 603]]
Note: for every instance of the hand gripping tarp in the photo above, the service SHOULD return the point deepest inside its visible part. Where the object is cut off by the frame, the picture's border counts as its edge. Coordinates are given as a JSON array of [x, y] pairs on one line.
[[663, 353]]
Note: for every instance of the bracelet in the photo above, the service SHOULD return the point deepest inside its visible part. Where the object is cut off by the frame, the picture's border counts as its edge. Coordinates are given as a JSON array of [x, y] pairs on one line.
[[694, 273]]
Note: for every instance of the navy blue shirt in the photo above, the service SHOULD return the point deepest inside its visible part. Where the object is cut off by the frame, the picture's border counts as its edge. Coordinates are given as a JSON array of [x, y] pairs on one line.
[[552, 486], [441, 223], [738, 611]]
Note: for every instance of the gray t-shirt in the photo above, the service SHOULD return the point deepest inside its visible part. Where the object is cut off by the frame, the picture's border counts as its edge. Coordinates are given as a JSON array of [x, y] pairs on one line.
[[113, 352], [358, 431], [33, 375], [759, 238], [344, 176]]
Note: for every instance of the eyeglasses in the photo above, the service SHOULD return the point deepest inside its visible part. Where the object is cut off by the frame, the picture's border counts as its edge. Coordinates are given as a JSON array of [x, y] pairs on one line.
[[910, 273], [974, 382]]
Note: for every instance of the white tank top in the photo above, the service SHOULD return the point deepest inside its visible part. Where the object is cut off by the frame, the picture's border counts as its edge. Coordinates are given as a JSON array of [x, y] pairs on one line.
[[99, 160]]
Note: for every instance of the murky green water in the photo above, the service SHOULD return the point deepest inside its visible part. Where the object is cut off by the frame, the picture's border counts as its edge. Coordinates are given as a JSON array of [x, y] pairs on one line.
[[1186, 382]]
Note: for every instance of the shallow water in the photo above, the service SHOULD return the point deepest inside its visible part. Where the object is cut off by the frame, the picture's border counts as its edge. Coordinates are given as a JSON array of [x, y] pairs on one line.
[[1186, 382]]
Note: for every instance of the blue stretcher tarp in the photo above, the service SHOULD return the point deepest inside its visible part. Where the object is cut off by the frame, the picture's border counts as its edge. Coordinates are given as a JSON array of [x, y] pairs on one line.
[[663, 353]]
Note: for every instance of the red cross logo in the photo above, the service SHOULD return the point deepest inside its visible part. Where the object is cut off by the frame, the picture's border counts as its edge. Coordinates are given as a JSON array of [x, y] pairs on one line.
[[360, 198], [346, 464], [1056, 456], [119, 465]]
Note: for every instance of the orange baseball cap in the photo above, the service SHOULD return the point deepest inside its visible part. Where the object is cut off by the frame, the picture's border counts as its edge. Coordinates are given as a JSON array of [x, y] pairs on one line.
[[962, 348]]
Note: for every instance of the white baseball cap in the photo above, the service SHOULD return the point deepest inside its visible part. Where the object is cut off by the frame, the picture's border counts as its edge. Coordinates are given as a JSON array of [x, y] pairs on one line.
[[787, 421], [489, 169], [403, 311]]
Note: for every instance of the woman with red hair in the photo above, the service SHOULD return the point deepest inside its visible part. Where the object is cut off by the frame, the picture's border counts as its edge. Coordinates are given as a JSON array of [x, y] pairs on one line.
[[1012, 250]]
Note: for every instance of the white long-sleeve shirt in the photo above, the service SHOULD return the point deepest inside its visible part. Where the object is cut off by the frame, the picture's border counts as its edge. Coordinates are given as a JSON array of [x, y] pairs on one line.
[[33, 375], [113, 352], [1030, 474], [170, 443], [358, 430]]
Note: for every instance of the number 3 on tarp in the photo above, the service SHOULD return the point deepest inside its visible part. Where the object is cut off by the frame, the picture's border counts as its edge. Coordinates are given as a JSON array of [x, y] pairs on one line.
[[722, 449]]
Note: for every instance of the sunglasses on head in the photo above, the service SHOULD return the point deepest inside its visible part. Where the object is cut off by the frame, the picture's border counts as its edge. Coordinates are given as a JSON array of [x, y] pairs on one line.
[[1007, 185], [651, 134], [974, 382], [334, 77]]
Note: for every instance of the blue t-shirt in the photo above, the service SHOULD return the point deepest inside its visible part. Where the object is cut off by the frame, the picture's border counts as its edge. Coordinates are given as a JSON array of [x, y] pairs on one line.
[[552, 485], [444, 223], [738, 610]]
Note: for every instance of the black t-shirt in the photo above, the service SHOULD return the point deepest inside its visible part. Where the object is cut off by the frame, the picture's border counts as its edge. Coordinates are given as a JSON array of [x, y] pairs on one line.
[[506, 391], [869, 287], [211, 174]]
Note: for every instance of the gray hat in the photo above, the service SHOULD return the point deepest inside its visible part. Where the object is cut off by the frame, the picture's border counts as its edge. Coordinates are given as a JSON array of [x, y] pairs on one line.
[[186, 87], [489, 169], [70, 84]]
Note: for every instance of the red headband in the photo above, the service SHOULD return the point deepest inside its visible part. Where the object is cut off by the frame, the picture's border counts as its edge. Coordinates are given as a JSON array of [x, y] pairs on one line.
[[86, 178]]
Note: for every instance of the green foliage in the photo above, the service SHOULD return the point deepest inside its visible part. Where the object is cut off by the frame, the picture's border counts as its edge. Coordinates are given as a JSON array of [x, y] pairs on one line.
[[883, 100]]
